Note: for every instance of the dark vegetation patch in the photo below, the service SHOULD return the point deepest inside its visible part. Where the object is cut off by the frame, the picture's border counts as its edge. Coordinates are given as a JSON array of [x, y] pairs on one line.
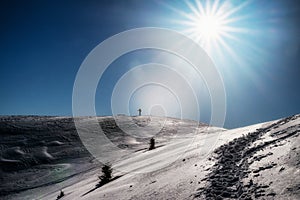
[[61, 194], [105, 178]]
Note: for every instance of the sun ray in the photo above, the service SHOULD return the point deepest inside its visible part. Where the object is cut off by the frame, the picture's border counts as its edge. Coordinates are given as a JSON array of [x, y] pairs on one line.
[[208, 9], [193, 9], [200, 7], [235, 29], [234, 10], [215, 7]]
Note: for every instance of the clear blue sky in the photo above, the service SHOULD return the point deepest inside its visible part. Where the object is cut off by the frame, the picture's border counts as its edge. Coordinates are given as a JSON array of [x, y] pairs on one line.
[[43, 44]]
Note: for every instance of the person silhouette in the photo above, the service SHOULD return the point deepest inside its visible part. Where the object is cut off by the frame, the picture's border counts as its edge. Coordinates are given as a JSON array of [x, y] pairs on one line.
[[152, 144], [140, 111]]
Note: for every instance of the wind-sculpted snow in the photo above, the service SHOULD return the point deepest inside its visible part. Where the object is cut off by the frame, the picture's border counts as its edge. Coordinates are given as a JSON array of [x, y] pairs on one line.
[[36, 151], [40, 156]]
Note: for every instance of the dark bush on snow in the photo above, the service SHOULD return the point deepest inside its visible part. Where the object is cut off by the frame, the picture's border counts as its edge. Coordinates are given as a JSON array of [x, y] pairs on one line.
[[61, 194], [106, 175]]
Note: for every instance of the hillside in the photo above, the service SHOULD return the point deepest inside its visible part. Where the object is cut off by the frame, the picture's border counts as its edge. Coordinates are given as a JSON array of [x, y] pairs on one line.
[[42, 155]]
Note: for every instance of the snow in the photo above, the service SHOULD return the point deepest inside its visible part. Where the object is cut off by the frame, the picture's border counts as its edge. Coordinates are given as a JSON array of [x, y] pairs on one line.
[[176, 169]]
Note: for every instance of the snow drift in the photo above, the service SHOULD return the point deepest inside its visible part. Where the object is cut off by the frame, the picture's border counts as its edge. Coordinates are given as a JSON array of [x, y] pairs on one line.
[[42, 155]]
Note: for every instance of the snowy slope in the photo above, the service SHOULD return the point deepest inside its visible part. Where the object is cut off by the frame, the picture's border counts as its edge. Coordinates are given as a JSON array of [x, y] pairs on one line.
[[258, 161]]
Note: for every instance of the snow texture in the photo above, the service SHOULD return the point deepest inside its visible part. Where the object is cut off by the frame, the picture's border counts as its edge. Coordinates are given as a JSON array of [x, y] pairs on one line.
[[40, 156]]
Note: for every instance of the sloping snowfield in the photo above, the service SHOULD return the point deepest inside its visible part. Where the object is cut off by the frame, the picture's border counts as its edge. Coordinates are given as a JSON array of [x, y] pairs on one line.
[[42, 155]]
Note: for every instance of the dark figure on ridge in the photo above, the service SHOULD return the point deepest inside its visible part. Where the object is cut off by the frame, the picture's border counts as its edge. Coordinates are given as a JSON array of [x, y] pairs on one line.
[[152, 144]]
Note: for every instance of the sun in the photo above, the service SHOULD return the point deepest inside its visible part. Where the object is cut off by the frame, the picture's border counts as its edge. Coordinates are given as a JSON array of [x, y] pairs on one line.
[[209, 27], [211, 23]]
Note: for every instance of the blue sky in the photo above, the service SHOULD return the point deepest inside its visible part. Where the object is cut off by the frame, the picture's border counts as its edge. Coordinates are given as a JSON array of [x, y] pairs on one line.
[[43, 44]]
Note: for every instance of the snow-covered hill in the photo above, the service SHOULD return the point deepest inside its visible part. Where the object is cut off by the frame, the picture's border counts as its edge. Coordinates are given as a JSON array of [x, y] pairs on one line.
[[42, 155]]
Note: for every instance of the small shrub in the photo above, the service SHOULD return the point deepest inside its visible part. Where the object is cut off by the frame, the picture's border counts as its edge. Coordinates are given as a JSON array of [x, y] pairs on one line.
[[106, 175], [61, 194]]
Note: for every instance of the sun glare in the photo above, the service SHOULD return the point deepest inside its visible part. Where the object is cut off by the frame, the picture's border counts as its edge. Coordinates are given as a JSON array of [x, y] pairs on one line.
[[209, 27], [210, 23]]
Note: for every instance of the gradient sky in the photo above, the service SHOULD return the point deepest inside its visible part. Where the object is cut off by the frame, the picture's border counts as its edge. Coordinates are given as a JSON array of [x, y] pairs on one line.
[[43, 44]]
